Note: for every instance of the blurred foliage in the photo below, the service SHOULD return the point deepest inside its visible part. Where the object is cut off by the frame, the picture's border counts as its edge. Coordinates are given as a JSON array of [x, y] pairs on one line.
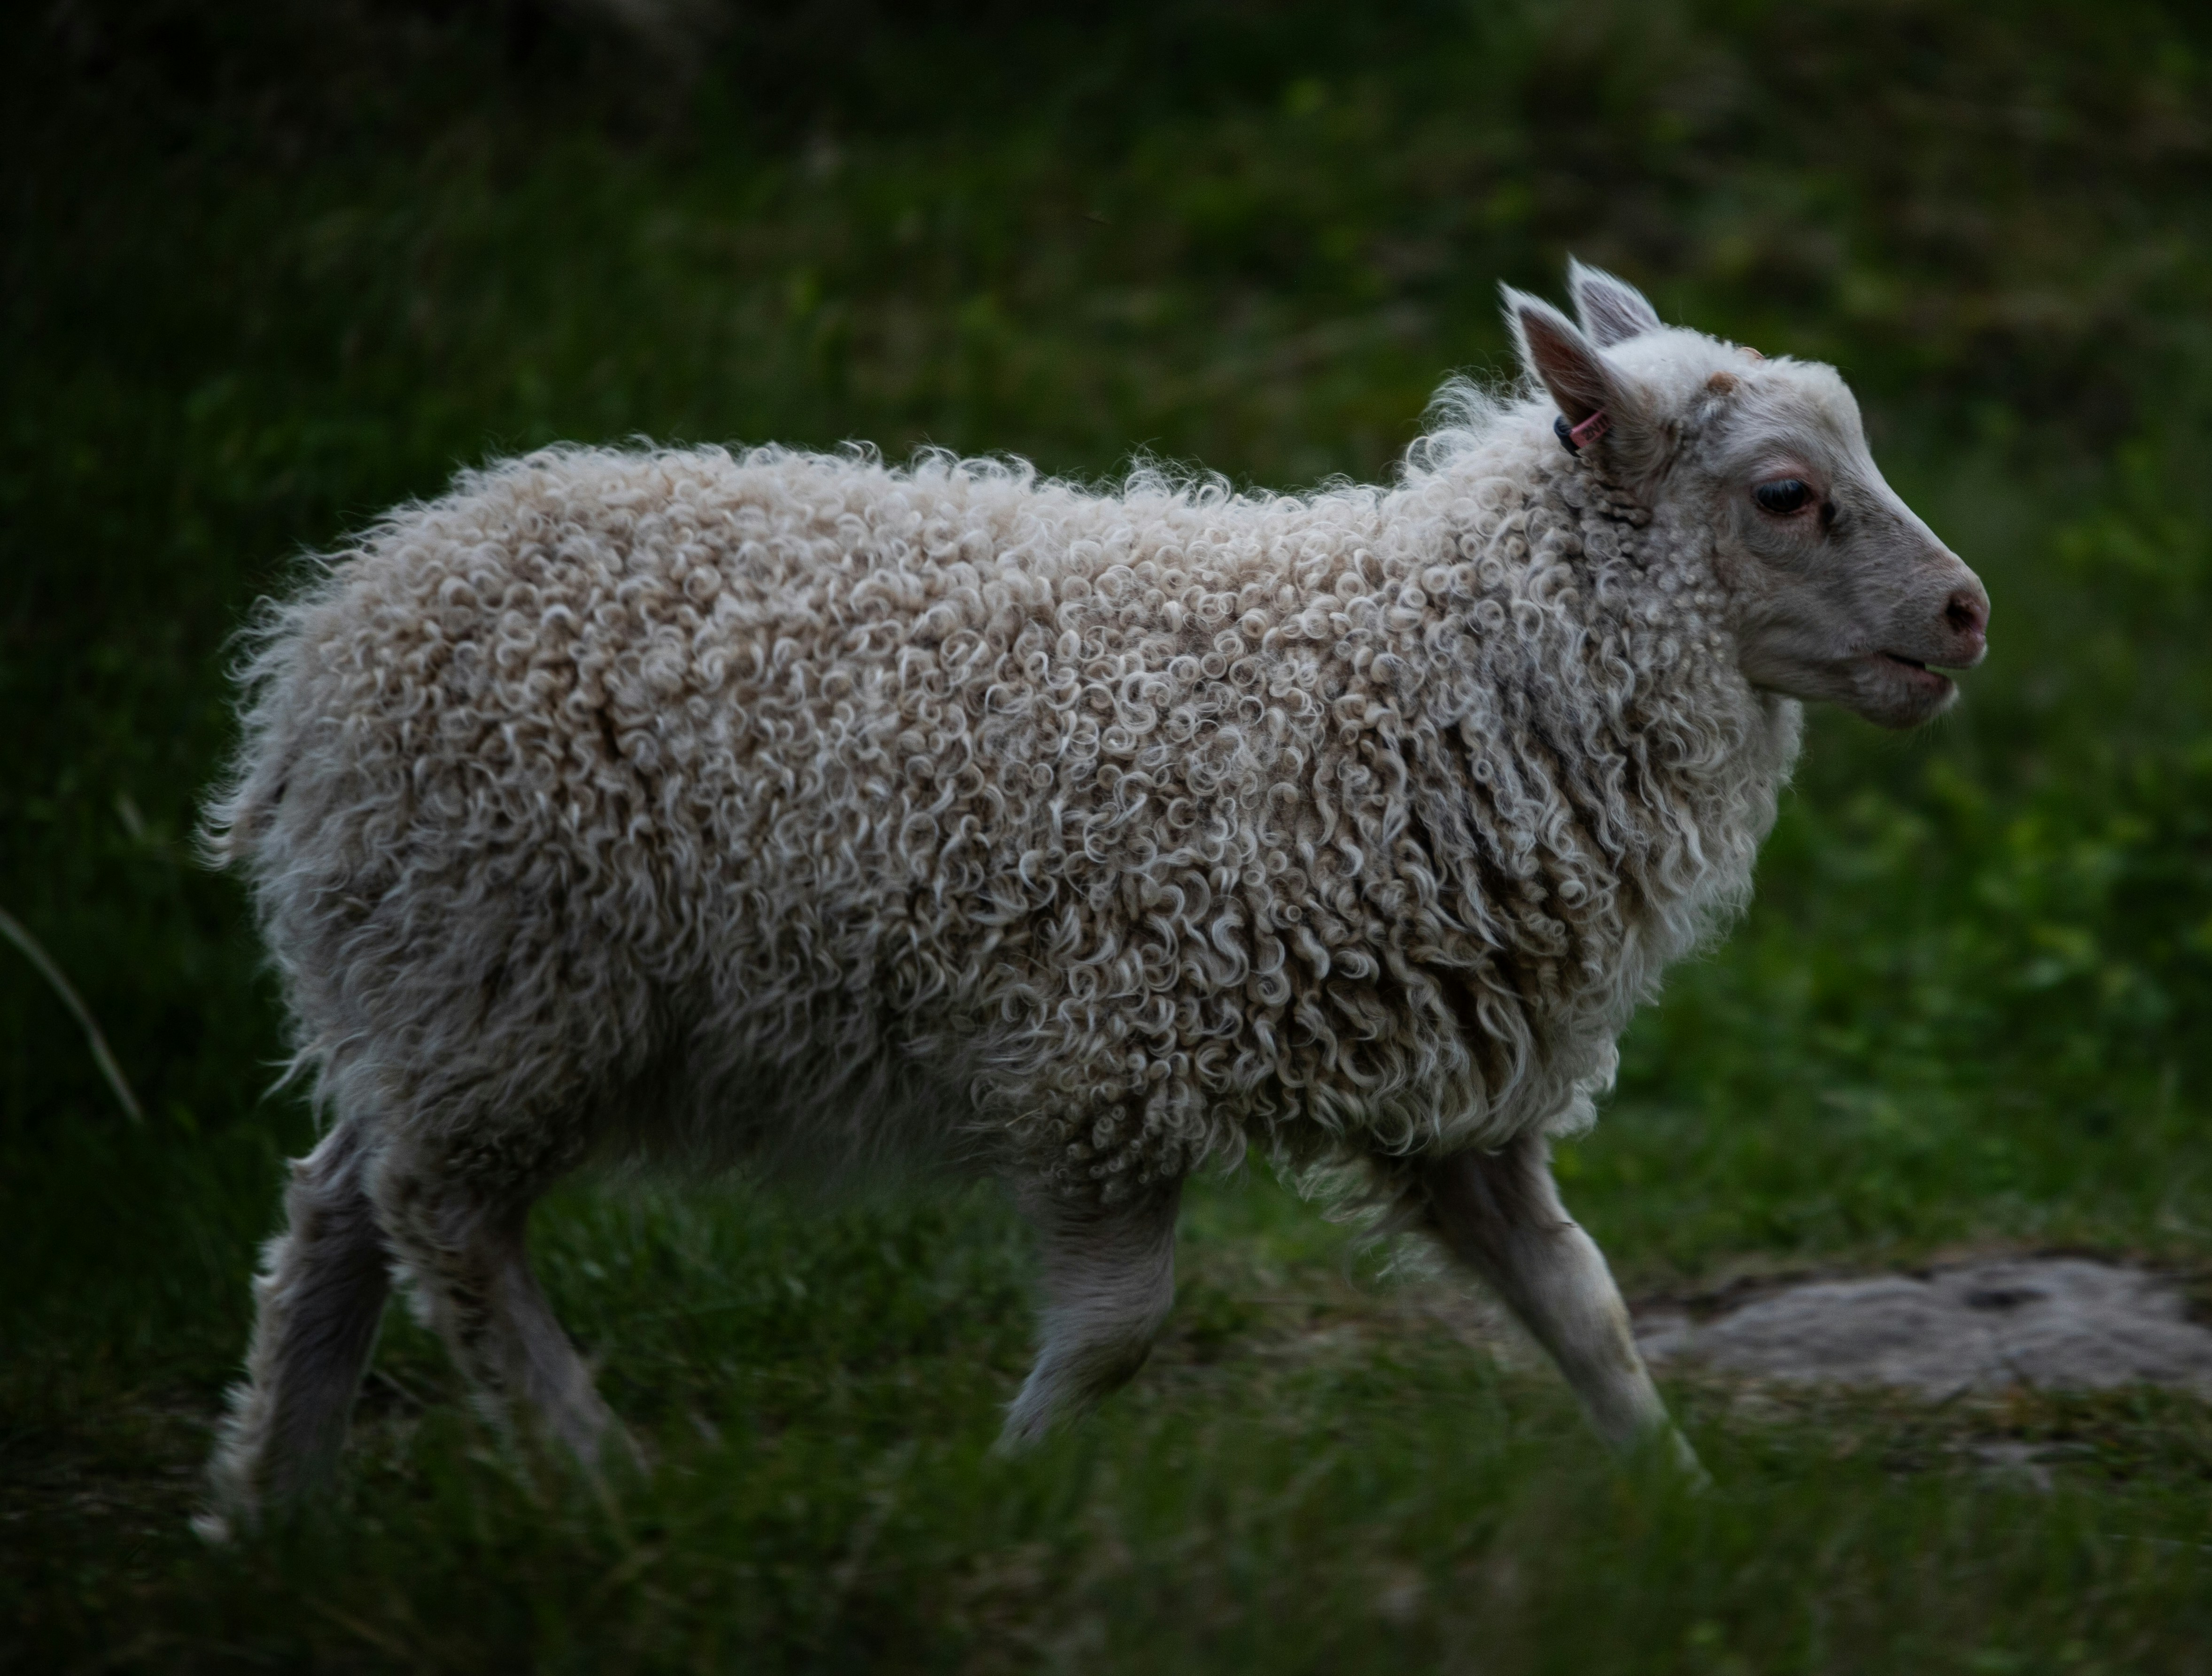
[[268, 266]]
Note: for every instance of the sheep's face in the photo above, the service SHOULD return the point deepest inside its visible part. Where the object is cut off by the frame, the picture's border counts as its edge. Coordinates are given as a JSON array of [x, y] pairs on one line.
[[1839, 590], [1836, 590]]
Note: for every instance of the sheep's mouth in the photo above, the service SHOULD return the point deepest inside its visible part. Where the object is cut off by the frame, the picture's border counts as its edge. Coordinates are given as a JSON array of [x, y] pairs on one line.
[[1916, 674], [1891, 690]]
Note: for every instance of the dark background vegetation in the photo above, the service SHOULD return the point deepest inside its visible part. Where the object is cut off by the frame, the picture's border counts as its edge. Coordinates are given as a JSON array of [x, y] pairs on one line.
[[268, 266]]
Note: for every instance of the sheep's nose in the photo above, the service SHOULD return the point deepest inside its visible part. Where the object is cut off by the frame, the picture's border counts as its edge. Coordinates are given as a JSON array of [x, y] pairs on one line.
[[1967, 615]]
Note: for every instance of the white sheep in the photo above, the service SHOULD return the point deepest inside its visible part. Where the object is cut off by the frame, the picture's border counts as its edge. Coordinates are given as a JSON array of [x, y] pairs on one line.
[[791, 810]]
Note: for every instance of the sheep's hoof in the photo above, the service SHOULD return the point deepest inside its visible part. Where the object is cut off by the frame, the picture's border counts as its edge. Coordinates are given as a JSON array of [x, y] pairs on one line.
[[1015, 1441], [1684, 1460]]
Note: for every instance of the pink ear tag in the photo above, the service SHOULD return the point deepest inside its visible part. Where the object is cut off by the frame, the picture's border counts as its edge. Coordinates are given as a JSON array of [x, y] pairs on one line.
[[1577, 437]]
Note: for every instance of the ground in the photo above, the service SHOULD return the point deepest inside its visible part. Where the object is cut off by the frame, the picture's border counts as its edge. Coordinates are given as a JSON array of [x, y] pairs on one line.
[[269, 268]]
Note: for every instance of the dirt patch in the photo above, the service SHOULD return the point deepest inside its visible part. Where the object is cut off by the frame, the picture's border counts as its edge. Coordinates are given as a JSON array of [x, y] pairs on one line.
[[2055, 1323]]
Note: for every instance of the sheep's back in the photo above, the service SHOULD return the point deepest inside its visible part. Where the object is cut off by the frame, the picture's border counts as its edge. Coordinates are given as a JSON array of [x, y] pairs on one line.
[[777, 762]]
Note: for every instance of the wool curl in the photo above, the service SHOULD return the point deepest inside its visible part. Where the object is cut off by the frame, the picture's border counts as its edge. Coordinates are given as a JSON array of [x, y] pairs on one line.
[[774, 802]]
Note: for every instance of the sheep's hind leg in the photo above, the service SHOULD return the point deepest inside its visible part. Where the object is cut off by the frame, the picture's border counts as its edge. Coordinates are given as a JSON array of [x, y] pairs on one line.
[[320, 1297], [464, 1249], [1109, 1282], [1500, 1214]]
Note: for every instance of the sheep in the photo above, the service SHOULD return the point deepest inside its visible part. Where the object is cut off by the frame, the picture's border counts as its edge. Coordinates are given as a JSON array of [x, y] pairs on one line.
[[790, 811]]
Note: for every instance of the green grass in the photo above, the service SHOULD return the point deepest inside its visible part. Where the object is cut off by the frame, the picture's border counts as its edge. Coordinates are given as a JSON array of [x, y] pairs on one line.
[[268, 268], [1312, 1475]]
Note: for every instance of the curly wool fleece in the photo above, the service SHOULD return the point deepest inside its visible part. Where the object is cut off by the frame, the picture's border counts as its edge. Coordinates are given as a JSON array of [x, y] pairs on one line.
[[787, 802]]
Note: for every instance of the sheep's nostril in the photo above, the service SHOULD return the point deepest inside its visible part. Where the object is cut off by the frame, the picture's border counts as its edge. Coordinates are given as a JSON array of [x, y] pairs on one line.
[[1966, 614]]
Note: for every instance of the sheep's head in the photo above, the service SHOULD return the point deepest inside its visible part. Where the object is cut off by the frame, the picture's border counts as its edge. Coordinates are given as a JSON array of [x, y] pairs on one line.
[[1836, 590]]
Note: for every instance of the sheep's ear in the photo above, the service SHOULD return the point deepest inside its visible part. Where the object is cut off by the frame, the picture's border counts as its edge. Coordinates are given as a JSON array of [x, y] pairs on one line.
[[1560, 357], [1612, 310]]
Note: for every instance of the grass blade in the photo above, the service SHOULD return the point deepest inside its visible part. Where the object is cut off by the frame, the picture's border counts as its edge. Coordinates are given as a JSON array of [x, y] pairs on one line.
[[20, 935]]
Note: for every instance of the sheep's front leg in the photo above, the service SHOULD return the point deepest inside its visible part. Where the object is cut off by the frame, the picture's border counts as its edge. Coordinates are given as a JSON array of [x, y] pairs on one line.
[[1109, 1281], [1500, 1214]]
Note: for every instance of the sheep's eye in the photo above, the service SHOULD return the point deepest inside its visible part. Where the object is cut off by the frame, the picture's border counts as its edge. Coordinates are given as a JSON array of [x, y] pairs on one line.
[[1783, 495]]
